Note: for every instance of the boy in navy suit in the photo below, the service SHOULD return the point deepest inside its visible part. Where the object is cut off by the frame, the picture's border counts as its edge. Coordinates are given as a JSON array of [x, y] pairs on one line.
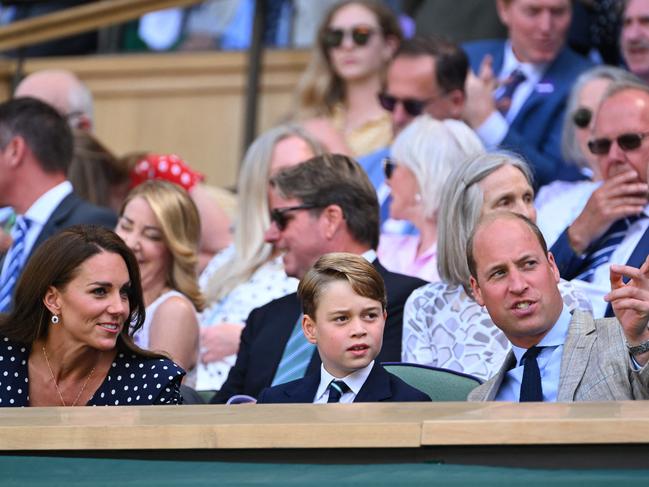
[[344, 302]]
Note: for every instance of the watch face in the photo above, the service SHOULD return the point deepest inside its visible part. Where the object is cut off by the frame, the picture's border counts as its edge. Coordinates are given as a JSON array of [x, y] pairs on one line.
[[638, 349]]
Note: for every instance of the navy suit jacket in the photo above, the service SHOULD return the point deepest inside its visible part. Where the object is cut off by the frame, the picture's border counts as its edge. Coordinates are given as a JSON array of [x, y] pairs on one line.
[[379, 386], [535, 133], [269, 327]]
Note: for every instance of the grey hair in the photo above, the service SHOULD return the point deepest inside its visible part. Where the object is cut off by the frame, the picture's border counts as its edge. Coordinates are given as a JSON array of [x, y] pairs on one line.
[[461, 207], [252, 220], [570, 149], [431, 149]]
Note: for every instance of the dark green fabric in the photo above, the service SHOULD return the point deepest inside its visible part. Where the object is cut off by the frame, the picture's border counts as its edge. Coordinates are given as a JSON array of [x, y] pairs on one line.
[[439, 385], [26, 471]]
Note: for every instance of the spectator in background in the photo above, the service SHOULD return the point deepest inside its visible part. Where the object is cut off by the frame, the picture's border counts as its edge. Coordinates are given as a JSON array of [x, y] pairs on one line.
[[634, 38], [560, 202], [160, 224], [423, 156], [443, 326], [337, 94], [249, 273], [521, 85], [64, 91]]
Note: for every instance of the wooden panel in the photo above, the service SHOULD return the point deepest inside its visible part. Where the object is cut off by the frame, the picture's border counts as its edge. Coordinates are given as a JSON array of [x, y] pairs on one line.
[[188, 103]]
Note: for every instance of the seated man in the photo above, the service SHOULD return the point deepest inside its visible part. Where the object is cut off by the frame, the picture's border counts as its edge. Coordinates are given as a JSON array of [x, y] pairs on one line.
[[555, 356], [326, 204], [343, 298]]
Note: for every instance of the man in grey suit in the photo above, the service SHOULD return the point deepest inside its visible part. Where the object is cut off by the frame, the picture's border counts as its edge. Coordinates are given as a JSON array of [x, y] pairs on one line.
[[556, 356]]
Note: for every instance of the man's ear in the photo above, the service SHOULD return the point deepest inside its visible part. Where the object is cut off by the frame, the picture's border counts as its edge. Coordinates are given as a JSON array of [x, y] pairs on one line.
[[15, 150], [503, 11], [391, 46], [476, 290], [52, 300], [457, 100], [332, 218], [309, 329], [553, 266]]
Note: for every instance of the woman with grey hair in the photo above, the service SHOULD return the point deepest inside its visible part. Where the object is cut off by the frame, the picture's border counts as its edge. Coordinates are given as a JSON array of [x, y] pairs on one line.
[[560, 202], [443, 326], [422, 157], [249, 273]]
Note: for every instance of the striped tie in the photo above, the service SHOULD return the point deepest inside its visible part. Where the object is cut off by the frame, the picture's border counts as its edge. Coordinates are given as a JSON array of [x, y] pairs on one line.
[[601, 251], [336, 389], [506, 91], [15, 257], [296, 357]]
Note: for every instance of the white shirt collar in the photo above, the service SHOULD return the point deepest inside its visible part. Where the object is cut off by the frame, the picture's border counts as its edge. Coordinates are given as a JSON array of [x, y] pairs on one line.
[[42, 209], [555, 337], [369, 255], [354, 381]]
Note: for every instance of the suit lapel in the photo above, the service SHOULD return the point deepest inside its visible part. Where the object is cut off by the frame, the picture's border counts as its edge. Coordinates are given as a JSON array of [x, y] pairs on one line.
[[509, 363], [304, 390], [376, 387], [576, 350], [54, 222]]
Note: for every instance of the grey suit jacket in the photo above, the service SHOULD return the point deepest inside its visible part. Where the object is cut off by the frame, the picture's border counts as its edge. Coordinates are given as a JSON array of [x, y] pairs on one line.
[[595, 365]]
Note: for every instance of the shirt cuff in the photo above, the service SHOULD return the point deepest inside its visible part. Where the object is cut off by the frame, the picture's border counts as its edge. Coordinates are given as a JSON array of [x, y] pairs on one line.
[[493, 130]]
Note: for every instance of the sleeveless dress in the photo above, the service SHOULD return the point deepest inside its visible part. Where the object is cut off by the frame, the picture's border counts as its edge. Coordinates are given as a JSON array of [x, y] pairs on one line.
[[141, 338]]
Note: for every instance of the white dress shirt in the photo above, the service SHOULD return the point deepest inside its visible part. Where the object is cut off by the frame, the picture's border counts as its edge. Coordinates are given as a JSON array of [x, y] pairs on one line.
[[354, 381]]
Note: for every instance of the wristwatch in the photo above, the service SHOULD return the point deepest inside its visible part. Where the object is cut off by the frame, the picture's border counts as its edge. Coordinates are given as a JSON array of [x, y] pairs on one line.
[[638, 349]]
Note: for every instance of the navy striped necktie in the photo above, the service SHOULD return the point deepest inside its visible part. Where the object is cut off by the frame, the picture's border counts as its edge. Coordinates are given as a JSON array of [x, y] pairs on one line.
[[336, 389], [504, 98]]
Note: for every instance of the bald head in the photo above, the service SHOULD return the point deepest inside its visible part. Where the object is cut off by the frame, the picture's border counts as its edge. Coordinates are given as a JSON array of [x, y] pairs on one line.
[[62, 90]]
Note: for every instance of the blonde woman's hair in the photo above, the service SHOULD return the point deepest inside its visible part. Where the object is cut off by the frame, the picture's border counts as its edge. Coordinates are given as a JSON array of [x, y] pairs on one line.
[[181, 230], [320, 89], [252, 218]]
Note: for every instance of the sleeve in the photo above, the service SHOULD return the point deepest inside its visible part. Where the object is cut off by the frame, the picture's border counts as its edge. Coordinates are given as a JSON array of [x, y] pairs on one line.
[[170, 392], [567, 261]]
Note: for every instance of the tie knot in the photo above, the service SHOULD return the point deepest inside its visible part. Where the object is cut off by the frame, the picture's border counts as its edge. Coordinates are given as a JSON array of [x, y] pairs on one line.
[[22, 224], [339, 386], [531, 353]]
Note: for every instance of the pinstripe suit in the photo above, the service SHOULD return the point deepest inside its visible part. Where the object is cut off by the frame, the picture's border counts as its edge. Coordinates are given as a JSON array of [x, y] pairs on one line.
[[595, 365]]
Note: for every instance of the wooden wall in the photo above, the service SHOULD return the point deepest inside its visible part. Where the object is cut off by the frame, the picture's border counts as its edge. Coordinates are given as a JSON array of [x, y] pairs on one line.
[[188, 103]]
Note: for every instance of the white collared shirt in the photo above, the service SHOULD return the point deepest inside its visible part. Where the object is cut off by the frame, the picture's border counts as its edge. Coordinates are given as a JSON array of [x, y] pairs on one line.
[[39, 213], [495, 128], [369, 255], [354, 381]]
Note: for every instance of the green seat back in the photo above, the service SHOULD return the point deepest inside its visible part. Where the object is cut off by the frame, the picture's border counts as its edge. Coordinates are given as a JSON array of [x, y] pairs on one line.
[[439, 384]]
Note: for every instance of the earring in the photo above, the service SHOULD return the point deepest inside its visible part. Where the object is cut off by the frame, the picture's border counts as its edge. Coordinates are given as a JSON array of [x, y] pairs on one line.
[[55, 319], [417, 197]]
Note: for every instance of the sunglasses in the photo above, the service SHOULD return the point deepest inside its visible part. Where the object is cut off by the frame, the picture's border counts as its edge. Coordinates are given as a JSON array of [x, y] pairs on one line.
[[332, 38], [626, 142], [279, 216], [582, 117], [388, 167], [412, 106]]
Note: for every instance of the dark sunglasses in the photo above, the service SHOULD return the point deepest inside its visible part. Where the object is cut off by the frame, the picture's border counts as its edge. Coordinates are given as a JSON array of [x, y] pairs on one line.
[[412, 106], [388, 167], [582, 117], [280, 218], [361, 35], [626, 142]]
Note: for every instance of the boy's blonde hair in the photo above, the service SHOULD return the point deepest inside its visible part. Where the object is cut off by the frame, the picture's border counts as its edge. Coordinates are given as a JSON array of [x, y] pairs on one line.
[[363, 278]]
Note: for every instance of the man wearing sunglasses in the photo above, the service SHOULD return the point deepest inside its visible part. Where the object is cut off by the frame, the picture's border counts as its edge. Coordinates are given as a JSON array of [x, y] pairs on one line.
[[426, 75], [517, 98], [612, 227], [326, 204]]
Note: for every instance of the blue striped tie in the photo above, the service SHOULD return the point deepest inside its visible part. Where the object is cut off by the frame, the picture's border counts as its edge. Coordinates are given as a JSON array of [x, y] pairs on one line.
[[15, 258], [296, 357], [601, 251], [336, 390], [505, 94]]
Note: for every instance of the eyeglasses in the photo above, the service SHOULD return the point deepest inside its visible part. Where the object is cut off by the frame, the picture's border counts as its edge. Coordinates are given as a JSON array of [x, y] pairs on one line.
[[361, 35], [626, 142], [388, 167], [280, 218], [582, 117], [412, 106]]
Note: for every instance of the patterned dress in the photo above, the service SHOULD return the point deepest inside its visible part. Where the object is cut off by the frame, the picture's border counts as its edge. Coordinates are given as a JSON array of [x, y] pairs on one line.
[[444, 327]]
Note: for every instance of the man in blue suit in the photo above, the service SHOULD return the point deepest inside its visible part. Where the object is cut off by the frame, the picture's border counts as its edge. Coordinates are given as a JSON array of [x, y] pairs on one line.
[[612, 227], [35, 151], [516, 99]]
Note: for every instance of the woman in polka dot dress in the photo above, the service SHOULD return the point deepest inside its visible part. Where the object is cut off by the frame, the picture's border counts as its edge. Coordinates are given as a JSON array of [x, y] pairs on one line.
[[67, 341]]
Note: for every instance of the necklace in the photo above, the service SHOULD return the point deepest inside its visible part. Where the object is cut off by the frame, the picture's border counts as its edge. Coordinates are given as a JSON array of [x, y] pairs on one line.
[[47, 360]]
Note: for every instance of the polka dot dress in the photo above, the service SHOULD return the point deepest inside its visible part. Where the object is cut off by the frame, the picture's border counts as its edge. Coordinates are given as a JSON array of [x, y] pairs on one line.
[[132, 380]]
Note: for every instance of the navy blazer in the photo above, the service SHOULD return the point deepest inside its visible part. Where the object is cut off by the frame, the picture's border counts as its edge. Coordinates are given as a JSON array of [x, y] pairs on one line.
[[269, 327], [379, 386], [535, 133]]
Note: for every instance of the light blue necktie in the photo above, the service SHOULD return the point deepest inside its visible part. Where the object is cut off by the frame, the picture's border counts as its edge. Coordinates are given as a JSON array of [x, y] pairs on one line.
[[15, 257], [296, 357]]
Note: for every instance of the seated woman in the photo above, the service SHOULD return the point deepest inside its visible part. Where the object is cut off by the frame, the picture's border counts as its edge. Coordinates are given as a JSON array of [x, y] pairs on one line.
[[560, 202], [442, 324], [337, 96], [249, 273], [160, 223], [422, 157], [68, 342]]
